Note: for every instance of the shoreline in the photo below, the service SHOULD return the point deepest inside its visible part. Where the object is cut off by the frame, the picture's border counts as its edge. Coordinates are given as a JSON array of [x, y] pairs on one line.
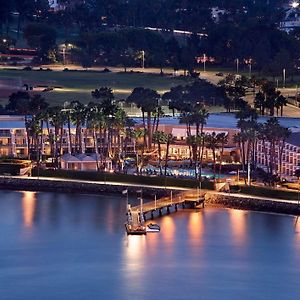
[[69, 186], [212, 199], [236, 201]]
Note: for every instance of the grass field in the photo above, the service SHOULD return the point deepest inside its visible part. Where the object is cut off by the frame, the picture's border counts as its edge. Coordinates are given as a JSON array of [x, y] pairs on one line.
[[78, 85]]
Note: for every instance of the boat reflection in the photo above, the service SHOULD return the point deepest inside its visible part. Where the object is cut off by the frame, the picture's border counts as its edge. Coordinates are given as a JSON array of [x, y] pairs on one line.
[[134, 262], [28, 208]]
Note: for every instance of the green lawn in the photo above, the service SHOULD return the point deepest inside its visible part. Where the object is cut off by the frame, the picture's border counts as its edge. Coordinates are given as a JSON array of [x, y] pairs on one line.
[[78, 85]]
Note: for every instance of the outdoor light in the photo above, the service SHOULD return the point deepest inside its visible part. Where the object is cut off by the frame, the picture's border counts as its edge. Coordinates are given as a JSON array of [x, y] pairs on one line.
[[295, 4]]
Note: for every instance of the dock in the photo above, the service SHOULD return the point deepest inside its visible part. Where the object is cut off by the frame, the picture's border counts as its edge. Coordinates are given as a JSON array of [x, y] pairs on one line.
[[169, 204]]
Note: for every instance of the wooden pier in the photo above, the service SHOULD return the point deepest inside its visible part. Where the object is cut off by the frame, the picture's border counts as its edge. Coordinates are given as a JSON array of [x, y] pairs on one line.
[[169, 204]]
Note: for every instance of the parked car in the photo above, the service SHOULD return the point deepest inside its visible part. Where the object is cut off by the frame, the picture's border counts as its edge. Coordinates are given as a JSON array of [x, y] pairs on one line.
[[219, 74]]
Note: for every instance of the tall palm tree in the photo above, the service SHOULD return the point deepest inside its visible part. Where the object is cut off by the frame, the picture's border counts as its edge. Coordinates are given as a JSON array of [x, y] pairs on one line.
[[169, 139], [212, 142], [280, 101], [222, 140], [148, 101], [78, 118], [159, 137], [57, 120], [139, 147]]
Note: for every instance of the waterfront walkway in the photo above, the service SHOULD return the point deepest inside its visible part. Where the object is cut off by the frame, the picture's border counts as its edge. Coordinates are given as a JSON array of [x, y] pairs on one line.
[[138, 186], [171, 203]]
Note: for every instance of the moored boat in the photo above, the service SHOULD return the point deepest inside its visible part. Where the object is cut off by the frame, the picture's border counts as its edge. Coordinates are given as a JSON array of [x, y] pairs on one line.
[[135, 230], [153, 227]]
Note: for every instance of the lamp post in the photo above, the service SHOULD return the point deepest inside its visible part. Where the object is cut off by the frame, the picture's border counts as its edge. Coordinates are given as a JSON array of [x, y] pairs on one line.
[[250, 69], [284, 76], [204, 61], [237, 65], [64, 54], [143, 59]]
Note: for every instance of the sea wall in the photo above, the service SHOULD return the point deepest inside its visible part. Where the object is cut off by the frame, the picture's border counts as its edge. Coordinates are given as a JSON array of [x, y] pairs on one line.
[[234, 201], [12, 183]]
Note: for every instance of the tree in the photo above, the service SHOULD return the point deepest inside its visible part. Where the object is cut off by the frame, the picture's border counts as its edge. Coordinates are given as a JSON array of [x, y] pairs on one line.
[[212, 142], [159, 138], [148, 101], [42, 37], [169, 139]]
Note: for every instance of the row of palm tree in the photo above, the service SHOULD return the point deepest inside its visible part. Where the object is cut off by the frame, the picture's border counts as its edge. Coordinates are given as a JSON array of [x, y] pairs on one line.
[[114, 134], [268, 98], [271, 135]]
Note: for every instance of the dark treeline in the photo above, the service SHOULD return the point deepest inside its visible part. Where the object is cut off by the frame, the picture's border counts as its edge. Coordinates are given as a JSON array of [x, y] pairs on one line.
[[111, 32]]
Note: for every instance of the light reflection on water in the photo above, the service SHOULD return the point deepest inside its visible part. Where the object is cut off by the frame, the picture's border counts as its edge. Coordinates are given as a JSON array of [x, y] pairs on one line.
[[78, 249], [28, 206], [238, 223]]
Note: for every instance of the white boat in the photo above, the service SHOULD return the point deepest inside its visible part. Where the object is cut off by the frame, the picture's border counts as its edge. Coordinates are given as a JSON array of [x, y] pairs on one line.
[[152, 227]]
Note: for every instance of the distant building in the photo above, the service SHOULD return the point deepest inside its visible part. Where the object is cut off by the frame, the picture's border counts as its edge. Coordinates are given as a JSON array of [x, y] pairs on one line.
[[216, 13], [291, 19]]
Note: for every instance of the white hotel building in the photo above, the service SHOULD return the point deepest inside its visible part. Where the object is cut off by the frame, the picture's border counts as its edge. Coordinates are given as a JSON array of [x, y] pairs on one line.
[[290, 155]]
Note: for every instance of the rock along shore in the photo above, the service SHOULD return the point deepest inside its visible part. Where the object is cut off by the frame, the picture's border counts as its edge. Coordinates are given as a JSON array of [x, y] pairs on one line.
[[263, 205]]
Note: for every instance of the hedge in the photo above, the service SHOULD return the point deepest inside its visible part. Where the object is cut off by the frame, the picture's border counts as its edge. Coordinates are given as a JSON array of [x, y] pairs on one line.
[[124, 178]]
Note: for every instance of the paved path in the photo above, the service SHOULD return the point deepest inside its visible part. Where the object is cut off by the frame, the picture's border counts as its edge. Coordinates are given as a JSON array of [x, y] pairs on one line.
[[103, 183], [238, 195]]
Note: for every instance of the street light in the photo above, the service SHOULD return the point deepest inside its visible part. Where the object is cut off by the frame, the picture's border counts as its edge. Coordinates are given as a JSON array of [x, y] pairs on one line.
[[284, 75], [64, 54], [237, 65], [143, 58], [204, 60]]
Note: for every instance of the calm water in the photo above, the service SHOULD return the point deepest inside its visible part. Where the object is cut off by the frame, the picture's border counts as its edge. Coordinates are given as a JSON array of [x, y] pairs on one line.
[[62, 246]]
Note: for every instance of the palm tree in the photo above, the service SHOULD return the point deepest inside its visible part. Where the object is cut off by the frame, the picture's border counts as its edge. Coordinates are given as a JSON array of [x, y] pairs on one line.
[[139, 134], [57, 120], [280, 101], [159, 137], [148, 101], [78, 118], [259, 102], [223, 140], [169, 139], [212, 142], [177, 98]]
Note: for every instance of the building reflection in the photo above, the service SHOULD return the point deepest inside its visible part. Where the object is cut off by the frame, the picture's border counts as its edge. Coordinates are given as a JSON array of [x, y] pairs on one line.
[[152, 242], [297, 232], [29, 208], [238, 222], [195, 229]]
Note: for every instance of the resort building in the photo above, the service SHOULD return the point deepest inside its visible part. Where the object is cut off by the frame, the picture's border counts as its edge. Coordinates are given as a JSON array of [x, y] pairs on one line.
[[290, 155], [14, 143], [84, 162], [180, 150]]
